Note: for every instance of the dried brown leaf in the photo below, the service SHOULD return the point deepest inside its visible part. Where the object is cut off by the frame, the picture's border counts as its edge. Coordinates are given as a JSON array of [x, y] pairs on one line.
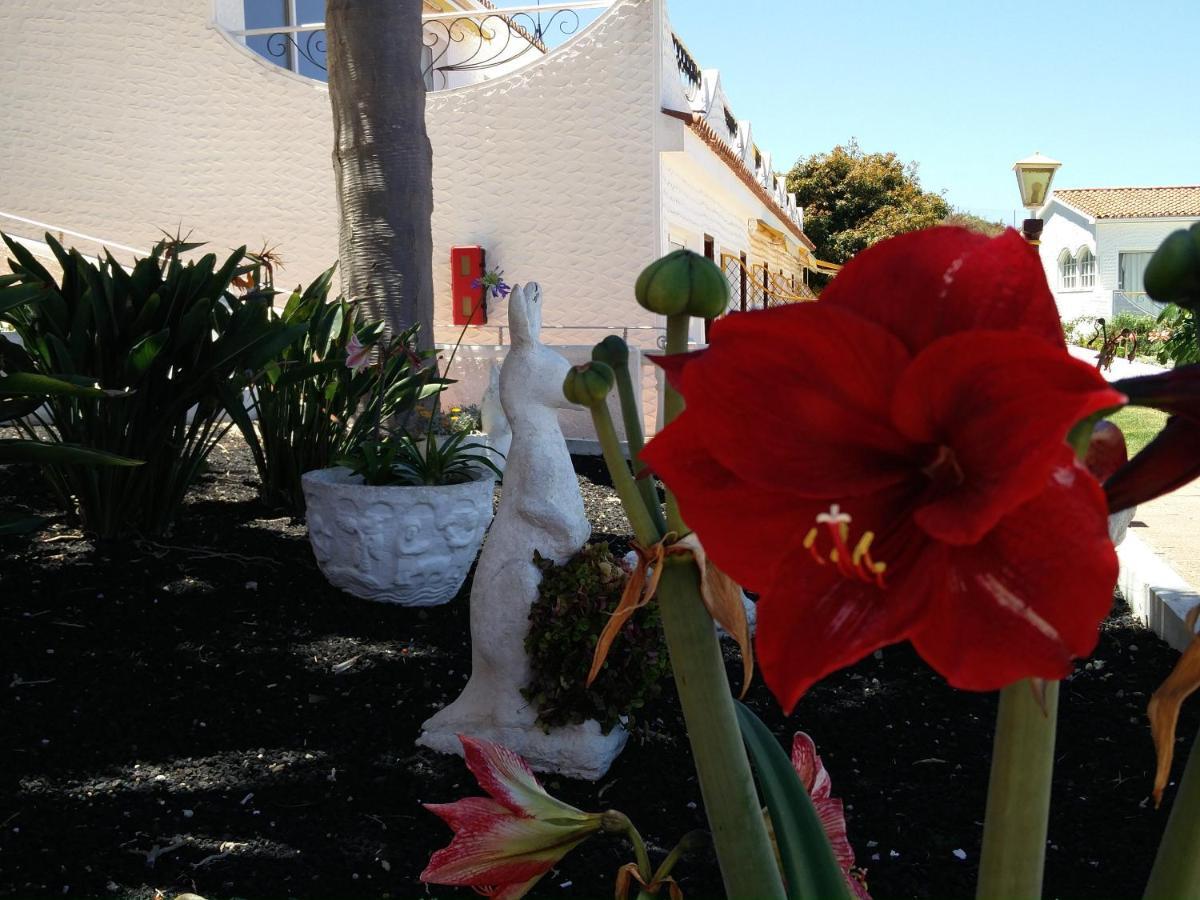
[[1165, 704]]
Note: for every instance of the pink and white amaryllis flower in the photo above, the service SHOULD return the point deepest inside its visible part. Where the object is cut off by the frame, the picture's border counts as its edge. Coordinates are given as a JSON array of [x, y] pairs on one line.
[[816, 781], [503, 844], [358, 357]]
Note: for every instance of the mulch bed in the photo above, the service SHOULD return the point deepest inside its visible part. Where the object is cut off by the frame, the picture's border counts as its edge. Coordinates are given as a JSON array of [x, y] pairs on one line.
[[206, 714]]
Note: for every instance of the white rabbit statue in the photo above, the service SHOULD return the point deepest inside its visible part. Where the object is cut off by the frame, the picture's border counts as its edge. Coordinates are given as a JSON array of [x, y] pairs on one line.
[[540, 509], [493, 421]]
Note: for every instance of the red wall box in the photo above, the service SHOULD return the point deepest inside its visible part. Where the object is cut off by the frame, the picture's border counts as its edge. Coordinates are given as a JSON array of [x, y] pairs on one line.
[[466, 267]]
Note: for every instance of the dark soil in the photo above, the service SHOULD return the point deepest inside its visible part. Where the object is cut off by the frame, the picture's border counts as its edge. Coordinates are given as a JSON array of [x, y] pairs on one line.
[[207, 714]]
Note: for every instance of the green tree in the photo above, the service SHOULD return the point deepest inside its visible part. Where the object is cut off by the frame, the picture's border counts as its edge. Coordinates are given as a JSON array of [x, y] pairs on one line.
[[853, 199], [964, 219]]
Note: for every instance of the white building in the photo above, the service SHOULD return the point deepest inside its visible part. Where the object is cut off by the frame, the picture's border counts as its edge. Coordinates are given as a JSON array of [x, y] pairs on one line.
[[575, 166], [1097, 241]]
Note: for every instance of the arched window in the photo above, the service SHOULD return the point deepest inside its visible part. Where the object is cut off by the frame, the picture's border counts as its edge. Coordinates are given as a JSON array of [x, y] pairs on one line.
[[1087, 268], [1067, 270]]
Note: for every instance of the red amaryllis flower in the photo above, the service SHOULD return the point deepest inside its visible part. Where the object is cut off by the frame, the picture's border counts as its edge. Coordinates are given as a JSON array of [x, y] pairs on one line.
[[504, 844], [816, 781], [890, 463]]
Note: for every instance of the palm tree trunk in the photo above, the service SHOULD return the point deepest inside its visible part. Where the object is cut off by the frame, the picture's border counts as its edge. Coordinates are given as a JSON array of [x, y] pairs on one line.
[[382, 159]]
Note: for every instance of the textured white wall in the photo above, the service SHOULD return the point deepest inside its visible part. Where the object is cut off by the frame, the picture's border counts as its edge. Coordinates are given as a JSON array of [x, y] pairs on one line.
[[1116, 237], [1066, 229], [129, 116], [553, 170], [144, 116]]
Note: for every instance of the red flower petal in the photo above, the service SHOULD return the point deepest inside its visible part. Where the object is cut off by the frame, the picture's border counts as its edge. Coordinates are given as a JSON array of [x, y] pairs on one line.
[[807, 763], [827, 393], [1003, 410], [745, 530], [508, 778], [469, 813], [509, 851], [812, 620], [940, 281], [833, 820], [1029, 598]]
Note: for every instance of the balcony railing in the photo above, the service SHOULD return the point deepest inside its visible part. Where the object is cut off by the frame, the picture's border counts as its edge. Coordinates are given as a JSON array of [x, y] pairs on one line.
[[689, 69], [460, 41], [1137, 303]]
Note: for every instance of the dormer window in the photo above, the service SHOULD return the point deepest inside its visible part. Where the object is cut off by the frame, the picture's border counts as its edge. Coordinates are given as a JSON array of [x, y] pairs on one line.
[[1068, 271]]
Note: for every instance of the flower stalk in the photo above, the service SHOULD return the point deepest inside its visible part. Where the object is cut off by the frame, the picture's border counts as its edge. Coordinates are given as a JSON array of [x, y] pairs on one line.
[[673, 404], [1176, 871], [731, 802], [614, 352], [1018, 805]]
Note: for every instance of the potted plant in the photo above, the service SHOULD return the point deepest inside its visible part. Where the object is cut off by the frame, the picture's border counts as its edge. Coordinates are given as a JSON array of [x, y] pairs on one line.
[[401, 518]]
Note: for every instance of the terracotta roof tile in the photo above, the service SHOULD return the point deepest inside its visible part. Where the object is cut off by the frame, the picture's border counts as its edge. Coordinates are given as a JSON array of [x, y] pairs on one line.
[[1134, 202]]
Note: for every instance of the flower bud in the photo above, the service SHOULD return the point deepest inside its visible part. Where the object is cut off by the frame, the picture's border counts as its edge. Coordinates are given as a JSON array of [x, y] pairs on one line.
[[683, 282], [1173, 273], [612, 351], [588, 384]]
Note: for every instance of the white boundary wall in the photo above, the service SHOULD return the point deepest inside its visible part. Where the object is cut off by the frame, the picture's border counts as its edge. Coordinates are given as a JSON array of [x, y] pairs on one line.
[[130, 116]]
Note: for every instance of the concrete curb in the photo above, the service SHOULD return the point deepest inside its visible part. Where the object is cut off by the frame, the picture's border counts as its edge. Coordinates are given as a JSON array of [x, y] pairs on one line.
[[1157, 594]]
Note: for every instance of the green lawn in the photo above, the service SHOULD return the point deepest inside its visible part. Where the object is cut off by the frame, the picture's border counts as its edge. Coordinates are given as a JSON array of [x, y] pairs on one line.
[[1139, 425]]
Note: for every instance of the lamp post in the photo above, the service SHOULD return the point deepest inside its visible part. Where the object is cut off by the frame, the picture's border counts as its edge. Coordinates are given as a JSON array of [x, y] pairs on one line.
[[1034, 174]]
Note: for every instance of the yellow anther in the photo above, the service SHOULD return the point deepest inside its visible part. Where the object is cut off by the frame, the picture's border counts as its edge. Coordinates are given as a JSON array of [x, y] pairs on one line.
[[864, 544]]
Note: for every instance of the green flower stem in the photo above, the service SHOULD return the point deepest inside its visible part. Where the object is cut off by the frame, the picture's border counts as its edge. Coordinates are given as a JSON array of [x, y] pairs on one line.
[[690, 841], [731, 801], [633, 434], [639, 850], [645, 528], [1176, 872], [1018, 806], [726, 783], [677, 342]]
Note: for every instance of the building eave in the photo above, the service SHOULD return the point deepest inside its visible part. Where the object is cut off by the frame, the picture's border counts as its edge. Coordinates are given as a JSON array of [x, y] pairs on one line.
[[713, 141]]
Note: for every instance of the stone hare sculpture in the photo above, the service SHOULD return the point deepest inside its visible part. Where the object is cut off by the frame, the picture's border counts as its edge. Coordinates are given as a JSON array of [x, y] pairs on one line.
[[540, 509], [493, 421]]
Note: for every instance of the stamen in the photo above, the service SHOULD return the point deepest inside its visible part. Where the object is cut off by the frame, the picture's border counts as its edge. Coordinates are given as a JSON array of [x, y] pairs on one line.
[[856, 564]]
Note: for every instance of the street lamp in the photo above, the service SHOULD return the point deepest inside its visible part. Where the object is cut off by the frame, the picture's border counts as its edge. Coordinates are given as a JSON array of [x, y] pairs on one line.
[[1034, 174]]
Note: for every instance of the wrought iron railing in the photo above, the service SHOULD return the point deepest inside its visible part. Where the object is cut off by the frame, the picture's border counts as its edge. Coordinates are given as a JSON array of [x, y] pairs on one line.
[[689, 69], [480, 40], [757, 287]]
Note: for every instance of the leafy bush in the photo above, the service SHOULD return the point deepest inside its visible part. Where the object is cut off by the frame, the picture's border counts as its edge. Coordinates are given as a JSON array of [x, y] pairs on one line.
[[1181, 345], [1125, 335], [575, 601], [171, 337], [21, 394], [404, 460], [312, 407]]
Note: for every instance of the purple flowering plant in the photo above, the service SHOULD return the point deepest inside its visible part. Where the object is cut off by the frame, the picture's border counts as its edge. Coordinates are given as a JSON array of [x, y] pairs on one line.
[[493, 283]]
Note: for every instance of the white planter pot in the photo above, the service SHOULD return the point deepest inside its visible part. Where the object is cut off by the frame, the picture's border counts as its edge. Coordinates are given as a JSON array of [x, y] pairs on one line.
[[406, 545]]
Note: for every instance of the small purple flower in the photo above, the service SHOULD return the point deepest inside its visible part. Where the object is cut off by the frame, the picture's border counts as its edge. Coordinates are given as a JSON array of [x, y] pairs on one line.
[[357, 356], [493, 282]]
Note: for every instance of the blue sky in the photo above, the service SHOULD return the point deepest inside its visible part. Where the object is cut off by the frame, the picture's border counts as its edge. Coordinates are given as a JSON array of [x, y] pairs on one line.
[[966, 87]]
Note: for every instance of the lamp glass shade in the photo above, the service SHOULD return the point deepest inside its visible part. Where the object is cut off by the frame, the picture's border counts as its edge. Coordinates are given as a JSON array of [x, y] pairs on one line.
[[1034, 175]]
